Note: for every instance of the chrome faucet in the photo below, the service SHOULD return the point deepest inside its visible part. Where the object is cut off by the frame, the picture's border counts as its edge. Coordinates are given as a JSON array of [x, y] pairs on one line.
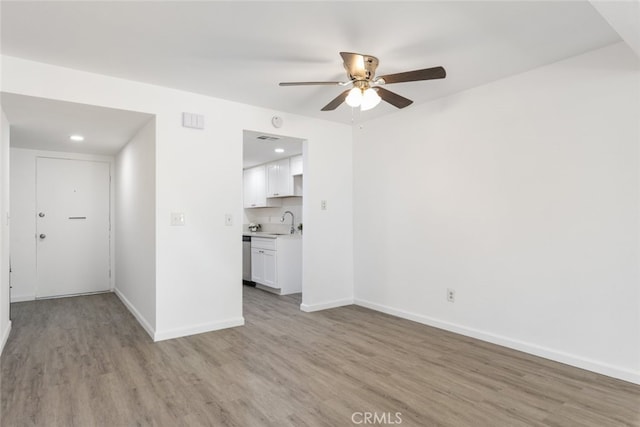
[[293, 230]]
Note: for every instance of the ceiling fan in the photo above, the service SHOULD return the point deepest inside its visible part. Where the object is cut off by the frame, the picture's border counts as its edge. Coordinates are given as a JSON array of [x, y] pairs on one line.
[[367, 90]]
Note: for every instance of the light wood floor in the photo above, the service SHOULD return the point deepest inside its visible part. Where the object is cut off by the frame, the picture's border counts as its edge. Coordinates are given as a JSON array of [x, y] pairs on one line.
[[84, 361]]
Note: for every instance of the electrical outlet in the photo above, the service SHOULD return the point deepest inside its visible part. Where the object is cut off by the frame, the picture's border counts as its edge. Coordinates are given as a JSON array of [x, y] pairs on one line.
[[177, 218], [451, 295], [323, 205]]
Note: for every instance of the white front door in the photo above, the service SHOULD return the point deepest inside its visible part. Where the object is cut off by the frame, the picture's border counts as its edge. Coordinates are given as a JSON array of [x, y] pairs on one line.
[[73, 226]]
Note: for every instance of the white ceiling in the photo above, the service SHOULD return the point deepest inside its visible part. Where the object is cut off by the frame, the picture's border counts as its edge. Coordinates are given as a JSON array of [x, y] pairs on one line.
[[44, 124], [256, 151], [241, 50]]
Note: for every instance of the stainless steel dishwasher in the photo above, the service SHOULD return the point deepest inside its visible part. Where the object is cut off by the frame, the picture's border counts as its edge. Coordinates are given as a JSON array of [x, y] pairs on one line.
[[246, 260]]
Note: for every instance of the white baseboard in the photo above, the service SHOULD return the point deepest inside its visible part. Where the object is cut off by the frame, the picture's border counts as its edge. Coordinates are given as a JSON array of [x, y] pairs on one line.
[[325, 305], [198, 329], [547, 353], [5, 337], [139, 317], [22, 298]]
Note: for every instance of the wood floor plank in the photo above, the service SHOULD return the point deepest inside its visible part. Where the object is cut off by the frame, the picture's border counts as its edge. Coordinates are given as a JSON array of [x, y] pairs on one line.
[[85, 361]]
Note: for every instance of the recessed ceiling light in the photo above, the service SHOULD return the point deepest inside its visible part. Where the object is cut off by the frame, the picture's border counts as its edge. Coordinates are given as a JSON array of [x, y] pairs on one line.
[[279, 150], [76, 138]]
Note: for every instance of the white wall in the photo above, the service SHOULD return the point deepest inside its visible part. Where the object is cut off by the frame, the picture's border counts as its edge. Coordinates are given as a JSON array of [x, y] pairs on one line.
[[135, 226], [328, 234], [5, 323], [523, 196], [199, 172], [23, 214], [23, 248]]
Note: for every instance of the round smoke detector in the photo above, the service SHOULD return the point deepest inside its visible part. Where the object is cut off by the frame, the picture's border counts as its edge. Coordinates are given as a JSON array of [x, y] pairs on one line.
[[276, 121]]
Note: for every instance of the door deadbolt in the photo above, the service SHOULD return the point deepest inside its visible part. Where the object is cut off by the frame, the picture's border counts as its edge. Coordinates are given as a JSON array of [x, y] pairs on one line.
[[41, 214], [42, 236]]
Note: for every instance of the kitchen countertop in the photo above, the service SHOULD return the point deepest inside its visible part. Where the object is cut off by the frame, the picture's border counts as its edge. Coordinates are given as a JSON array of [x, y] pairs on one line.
[[272, 235]]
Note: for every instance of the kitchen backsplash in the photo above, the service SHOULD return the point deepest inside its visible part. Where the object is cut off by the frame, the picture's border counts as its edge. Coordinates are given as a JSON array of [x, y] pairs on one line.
[[269, 218]]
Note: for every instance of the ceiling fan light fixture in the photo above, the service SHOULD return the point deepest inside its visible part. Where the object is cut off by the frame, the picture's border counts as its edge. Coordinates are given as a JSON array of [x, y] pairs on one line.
[[361, 72], [370, 99], [354, 99]]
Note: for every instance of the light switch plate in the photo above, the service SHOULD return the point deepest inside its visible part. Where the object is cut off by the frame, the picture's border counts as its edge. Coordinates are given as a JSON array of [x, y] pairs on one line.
[[194, 121], [177, 218], [228, 219]]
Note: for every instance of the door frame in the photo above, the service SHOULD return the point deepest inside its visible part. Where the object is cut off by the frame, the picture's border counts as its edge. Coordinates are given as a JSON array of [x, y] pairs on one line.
[[305, 196], [23, 223]]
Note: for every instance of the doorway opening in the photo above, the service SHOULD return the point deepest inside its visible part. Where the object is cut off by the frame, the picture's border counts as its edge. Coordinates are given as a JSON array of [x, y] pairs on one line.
[[272, 226]]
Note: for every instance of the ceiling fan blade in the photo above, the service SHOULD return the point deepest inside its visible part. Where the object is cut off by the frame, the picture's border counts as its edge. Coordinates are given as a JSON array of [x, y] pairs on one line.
[[335, 103], [311, 84], [413, 76], [359, 67], [393, 98]]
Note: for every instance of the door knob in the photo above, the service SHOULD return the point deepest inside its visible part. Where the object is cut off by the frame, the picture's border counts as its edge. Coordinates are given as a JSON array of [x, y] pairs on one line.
[[42, 236], [41, 214]]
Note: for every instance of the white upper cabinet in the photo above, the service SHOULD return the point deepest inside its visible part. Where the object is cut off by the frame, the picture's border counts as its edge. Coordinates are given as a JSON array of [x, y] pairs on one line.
[[255, 188], [296, 165], [279, 179], [264, 184]]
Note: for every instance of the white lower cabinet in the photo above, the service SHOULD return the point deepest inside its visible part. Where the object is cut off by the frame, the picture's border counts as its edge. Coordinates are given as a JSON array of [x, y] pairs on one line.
[[263, 267], [276, 263]]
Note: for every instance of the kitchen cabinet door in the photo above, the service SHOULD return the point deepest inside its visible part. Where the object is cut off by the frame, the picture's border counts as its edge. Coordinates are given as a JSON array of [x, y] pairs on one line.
[[264, 267], [255, 188], [270, 269], [279, 179], [296, 165], [257, 265]]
